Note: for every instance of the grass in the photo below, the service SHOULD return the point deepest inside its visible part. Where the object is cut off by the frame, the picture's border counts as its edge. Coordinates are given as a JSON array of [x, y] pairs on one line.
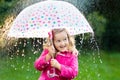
[[90, 68], [110, 67]]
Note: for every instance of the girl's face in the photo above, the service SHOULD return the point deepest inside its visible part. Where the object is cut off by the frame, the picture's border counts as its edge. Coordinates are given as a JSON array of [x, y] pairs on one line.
[[61, 41]]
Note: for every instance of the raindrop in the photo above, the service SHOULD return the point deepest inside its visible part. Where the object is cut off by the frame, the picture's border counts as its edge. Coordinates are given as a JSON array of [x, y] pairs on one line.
[[12, 66], [11, 58], [86, 70], [35, 52], [23, 55], [36, 72], [15, 68], [22, 67], [28, 63], [27, 77], [98, 75], [101, 61], [28, 69], [23, 60], [29, 57]]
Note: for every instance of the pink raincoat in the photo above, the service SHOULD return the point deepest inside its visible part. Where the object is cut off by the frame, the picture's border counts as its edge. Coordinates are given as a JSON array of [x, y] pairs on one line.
[[69, 66]]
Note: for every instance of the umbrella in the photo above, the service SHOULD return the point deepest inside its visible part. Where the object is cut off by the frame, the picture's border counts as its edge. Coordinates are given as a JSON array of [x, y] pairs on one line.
[[38, 19]]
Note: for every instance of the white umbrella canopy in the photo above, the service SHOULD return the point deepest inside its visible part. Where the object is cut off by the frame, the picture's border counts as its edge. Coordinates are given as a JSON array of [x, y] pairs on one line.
[[38, 19]]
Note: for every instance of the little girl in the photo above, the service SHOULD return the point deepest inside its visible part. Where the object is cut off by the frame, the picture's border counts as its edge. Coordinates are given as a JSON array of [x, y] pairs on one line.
[[58, 61]]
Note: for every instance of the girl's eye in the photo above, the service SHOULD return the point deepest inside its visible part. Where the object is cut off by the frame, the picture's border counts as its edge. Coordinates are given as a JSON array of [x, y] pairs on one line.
[[65, 39], [58, 40]]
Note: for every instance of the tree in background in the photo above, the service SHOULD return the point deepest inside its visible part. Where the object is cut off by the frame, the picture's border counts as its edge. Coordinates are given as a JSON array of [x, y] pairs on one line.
[[5, 9], [98, 23], [111, 10]]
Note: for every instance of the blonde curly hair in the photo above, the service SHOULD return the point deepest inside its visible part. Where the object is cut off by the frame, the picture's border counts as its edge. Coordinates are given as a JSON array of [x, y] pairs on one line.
[[71, 39]]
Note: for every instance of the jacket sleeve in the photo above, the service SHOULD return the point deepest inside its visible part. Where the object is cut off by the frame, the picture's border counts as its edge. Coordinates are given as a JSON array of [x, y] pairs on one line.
[[41, 63], [70, 71]]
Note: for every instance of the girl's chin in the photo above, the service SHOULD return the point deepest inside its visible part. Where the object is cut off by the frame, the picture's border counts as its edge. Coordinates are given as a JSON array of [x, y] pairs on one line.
[[64, 50]]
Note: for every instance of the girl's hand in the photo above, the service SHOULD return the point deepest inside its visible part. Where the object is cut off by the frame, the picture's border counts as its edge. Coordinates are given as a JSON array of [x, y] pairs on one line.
[[54, 63]]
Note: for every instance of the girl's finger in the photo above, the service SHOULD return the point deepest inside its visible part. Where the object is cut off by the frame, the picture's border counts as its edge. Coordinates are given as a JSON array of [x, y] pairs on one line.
[[53, 62]]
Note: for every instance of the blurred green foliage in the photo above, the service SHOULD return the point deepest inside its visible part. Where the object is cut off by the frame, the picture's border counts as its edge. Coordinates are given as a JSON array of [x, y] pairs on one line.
[[111, 10], [5, 8], [98, 23]]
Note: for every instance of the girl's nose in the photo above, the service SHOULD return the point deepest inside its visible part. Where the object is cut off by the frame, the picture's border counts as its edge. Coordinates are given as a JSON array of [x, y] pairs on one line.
[[62, 43]]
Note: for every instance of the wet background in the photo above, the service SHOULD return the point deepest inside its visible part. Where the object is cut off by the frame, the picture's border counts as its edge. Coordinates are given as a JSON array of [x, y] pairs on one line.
[[98, 57]]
